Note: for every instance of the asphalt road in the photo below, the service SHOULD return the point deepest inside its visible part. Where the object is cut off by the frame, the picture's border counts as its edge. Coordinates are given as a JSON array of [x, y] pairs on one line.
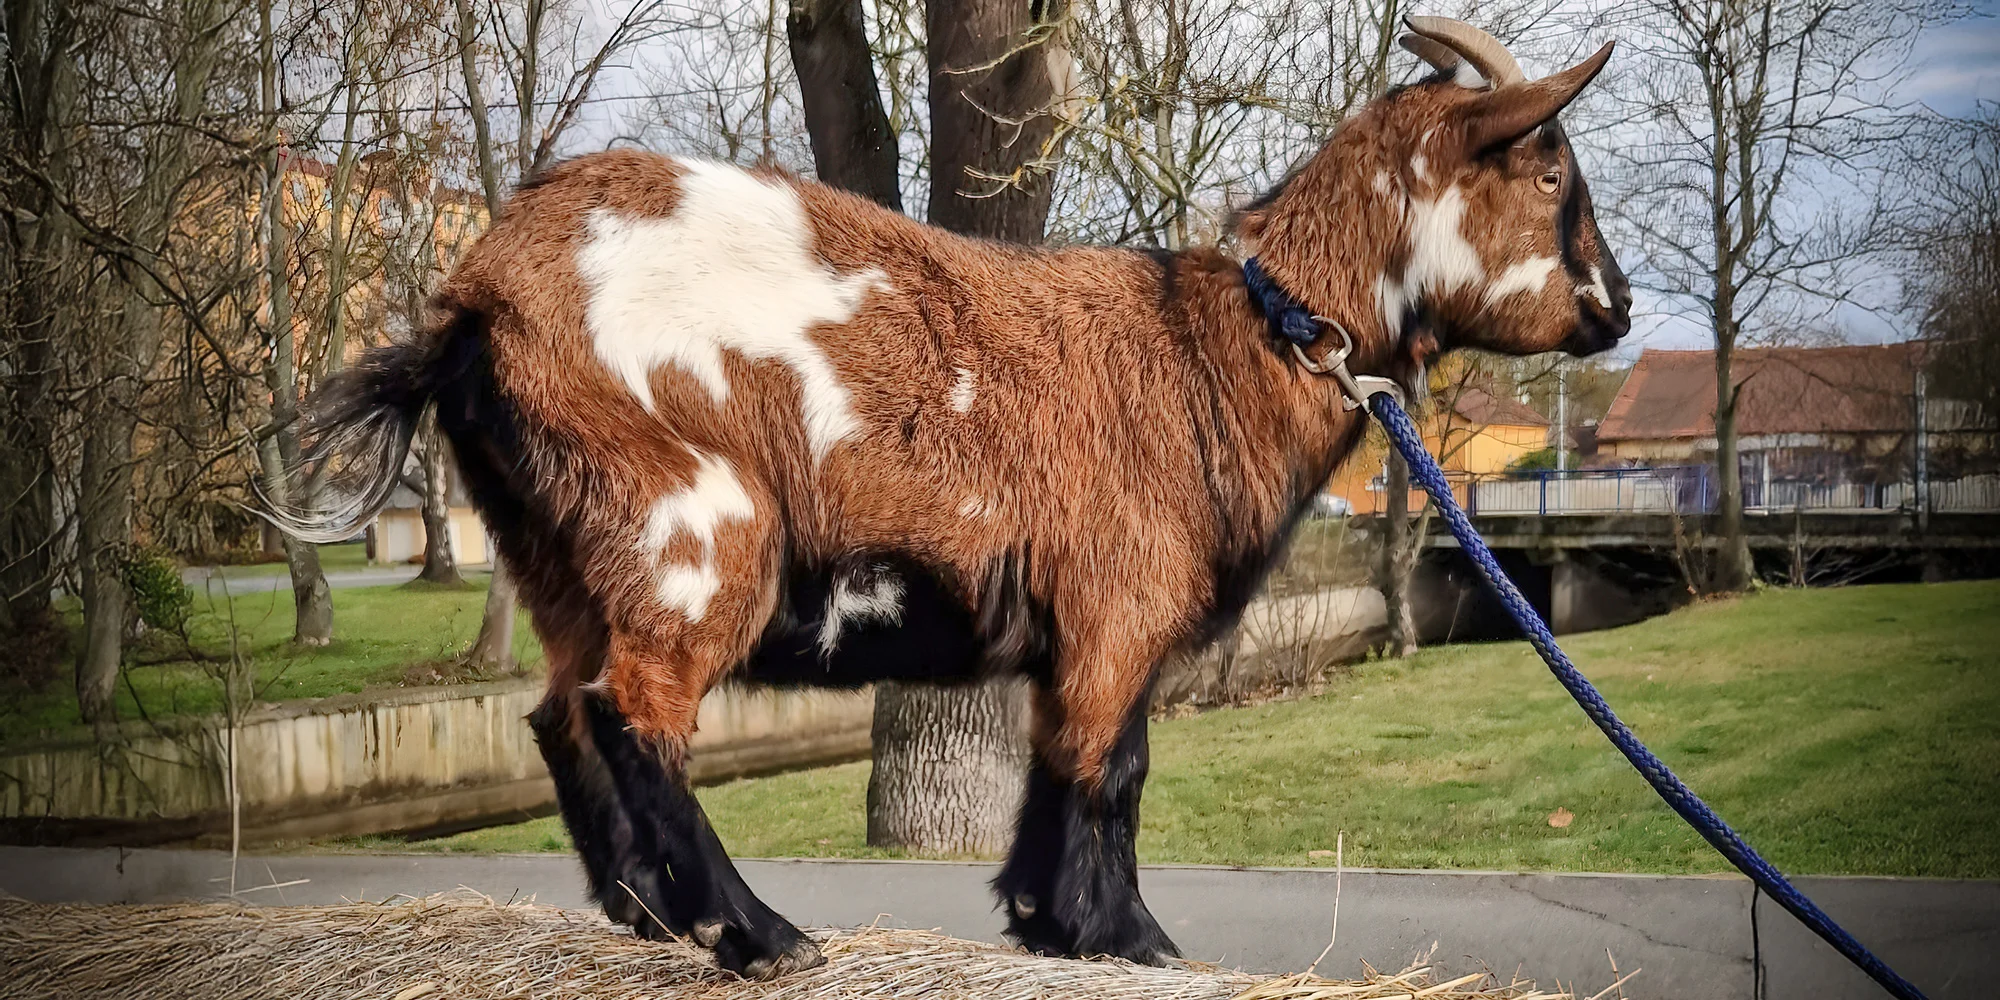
[[1691, 937], [205, 577]]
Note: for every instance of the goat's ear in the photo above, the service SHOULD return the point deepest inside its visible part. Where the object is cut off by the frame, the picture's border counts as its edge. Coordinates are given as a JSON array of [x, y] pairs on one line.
[[1509, 113], [1248, 226]]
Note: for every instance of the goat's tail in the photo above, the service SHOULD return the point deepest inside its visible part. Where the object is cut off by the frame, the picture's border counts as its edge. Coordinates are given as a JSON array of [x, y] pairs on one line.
[[358, 428]]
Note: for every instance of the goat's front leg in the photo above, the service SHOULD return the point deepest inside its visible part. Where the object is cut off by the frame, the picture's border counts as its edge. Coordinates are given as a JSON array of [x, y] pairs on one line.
[[1071, 884]]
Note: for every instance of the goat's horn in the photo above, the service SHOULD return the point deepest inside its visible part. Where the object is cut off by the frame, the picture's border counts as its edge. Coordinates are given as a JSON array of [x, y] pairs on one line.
[[1438, 54], [1482, 50]]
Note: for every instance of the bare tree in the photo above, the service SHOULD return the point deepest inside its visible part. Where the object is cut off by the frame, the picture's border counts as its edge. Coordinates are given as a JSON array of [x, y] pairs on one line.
[[853, 144], [37, 84], [158, 69], [1957, 283], [1756, 174], [311, 598]]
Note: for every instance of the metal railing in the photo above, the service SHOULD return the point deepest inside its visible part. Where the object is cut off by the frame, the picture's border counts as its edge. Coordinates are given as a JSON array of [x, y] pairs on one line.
[[1691, 489]]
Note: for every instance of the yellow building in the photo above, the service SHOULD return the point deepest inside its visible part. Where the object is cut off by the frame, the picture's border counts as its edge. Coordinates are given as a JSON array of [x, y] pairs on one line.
[[388, 213], [1479, 433]]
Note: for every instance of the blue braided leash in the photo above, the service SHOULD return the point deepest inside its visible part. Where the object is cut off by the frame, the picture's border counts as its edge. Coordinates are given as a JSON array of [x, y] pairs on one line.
[[1292, 322], [1424, 470]]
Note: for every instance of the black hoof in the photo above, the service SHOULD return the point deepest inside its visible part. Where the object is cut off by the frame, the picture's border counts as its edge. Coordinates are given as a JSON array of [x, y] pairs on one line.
[[798, 958], [1136, 938], [758, 949], [633, 900]]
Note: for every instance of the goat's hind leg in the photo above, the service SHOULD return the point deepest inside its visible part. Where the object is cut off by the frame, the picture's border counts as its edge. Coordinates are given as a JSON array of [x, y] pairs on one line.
[[702, 893], [622, 878]]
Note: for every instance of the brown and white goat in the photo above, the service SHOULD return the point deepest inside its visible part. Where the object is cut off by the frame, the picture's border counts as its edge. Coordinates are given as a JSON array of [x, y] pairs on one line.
[[727, 422]]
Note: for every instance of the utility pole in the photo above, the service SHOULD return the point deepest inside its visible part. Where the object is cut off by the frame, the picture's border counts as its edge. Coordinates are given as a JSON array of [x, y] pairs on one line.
[[1562, 416], [1921, 445]]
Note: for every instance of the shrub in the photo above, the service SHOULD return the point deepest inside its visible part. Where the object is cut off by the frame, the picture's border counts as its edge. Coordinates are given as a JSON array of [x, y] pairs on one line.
[[164, 601], [1539, 460]]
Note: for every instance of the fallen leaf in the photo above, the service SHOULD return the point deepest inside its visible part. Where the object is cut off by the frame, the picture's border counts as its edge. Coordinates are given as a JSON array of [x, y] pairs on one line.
[[1319, 854], [1561, 818]]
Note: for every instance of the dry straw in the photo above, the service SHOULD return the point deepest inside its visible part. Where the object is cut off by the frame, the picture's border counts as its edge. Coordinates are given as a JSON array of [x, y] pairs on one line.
[[465, 946]]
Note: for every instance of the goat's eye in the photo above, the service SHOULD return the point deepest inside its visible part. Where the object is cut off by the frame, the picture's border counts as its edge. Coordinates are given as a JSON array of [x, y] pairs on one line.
[[1549, 182]]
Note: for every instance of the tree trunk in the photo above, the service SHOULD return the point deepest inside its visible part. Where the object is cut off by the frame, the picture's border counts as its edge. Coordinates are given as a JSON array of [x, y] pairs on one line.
[[105, 497], [1398, 558], [969, 144], [440, 562], [1734, 570], [37, 58], [475, 98], [950, 767], [853, 147], [493, 651], [949, 764], [312, 600], [119, 368]]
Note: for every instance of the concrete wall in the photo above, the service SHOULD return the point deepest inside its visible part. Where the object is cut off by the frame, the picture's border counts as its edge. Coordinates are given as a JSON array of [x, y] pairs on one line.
[[424, 758]]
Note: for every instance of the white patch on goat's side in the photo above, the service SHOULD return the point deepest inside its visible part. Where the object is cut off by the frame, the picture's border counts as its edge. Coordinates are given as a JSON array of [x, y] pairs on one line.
[[1596, 289], [972, 506], [964, 389], [882, 601], [1530, 275], [732, 268], [688, 588], [1420, 167], [1385, 185], [715, 496]]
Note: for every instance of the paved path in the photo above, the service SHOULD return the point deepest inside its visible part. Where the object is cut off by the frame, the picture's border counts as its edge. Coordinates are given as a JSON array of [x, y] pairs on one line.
[[1695, 938], [199, 577]]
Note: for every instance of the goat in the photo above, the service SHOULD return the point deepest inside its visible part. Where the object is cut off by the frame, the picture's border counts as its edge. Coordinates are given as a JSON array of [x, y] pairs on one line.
[[734, 423]]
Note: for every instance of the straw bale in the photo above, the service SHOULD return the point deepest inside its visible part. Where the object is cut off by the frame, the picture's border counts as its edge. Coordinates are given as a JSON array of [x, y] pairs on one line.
[[466, 946]]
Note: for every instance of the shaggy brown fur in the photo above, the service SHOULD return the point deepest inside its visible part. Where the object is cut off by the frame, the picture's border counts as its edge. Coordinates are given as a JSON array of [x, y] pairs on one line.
[[1136, 453]]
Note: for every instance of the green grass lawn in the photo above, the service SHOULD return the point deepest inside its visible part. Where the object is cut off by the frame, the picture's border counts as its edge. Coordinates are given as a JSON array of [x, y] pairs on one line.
[[382, 636], [1842, 731]]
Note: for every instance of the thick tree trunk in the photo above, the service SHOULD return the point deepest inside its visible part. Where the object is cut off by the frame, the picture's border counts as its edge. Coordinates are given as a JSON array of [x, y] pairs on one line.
[[1398, 558], [36, 56], [970, 145], [949, 764], [104, 531], [950, 767], [853, 147], [27, 471]]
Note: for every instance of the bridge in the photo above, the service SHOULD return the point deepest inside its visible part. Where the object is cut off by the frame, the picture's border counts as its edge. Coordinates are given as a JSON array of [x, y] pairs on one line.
[[1596, 570]]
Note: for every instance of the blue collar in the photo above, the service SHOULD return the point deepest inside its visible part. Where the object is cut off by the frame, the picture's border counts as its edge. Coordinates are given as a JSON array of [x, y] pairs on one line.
[[1292, 322], [1289, 318]]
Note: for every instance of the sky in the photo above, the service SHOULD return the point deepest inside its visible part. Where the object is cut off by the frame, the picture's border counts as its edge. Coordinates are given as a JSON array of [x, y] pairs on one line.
[[1958, 65], [1954, 67]]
